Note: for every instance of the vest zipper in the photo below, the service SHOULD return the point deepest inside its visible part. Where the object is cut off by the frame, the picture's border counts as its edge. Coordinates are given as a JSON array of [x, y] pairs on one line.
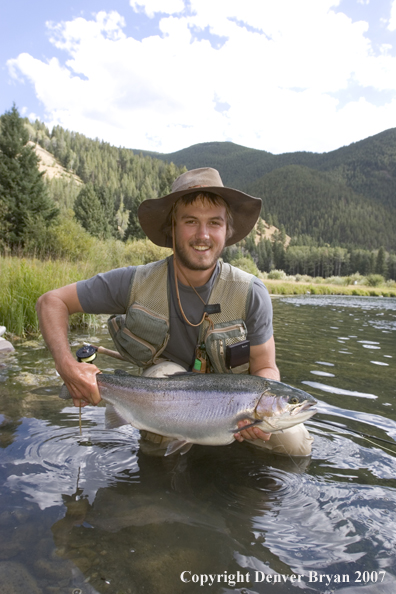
[[151, 313], [227, 329], [140, 340], [162, 348], [218, 354]]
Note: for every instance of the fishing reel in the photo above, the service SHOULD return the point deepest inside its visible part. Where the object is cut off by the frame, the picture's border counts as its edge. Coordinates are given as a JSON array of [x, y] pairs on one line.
[[87, 354]]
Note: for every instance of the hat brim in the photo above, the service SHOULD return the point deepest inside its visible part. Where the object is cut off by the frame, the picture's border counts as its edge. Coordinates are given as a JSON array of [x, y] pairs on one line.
[[245, 211]]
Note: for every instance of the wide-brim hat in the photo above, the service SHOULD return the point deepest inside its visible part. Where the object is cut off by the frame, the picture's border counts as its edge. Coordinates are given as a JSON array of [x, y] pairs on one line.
[[245, 209]]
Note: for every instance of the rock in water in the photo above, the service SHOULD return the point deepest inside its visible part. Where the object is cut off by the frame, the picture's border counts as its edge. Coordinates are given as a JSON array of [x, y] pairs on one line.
[[5, 346]]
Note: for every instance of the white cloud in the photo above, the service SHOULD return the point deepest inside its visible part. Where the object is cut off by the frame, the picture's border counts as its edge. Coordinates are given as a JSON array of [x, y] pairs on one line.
[[277, 65], [392, 19], [151, 7]]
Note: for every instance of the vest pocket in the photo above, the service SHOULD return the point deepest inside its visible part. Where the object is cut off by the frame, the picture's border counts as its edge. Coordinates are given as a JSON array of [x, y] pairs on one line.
[[217, 341], [140, 335]]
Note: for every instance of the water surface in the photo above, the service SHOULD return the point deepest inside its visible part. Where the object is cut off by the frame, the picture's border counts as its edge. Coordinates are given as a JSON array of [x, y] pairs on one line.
[[90, 513]]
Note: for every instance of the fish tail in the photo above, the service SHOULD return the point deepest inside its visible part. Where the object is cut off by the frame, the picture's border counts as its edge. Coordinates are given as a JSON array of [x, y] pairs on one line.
[[64, 393]]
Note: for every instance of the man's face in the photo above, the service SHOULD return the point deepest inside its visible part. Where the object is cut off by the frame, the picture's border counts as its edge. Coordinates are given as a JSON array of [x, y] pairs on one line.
[[200, 234]]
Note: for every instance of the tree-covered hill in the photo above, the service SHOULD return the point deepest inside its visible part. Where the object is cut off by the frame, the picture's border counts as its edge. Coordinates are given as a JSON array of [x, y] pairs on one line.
[[343, 197], [117, 179], [311, 203], [339, 207], [367, 166], [238, 165]]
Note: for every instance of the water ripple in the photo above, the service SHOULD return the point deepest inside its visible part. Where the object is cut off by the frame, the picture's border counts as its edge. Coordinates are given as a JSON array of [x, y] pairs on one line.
[[344, 301], [334, 390], [56, 459]]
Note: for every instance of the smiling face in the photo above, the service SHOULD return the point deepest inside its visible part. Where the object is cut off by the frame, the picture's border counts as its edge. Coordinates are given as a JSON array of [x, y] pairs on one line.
[[200, 234]]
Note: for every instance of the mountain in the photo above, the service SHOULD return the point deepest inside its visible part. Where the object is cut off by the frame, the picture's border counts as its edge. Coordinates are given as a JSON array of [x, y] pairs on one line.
[[51, 167], [343, 197], [311, 203], [367, 166], [238, 165], [346, 197]]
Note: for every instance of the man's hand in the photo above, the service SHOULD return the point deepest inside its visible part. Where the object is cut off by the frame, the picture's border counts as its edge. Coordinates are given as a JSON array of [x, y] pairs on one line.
[[80, 380], [262, 363], [53, 310], [250, 434]]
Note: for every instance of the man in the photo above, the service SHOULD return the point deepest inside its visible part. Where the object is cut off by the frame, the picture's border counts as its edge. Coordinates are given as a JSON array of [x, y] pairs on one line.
[[189, 309]]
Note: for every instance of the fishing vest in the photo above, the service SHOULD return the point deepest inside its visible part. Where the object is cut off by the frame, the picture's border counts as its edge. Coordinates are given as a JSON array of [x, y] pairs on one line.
[[141, 335]]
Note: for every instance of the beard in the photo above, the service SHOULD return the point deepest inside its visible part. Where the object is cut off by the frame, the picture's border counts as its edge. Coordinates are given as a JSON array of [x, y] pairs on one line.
[[184, 257]]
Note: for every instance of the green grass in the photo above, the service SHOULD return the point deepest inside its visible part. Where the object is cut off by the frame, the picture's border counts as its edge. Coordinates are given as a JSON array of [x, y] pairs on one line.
[[23, 280], [285, 287]]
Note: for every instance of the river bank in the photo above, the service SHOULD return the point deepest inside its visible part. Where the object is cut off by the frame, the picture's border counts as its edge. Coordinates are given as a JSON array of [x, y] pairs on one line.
[[285, 287], [23, 280]]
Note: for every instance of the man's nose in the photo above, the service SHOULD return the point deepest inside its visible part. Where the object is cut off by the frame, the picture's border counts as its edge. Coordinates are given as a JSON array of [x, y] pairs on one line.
[[203, 230]]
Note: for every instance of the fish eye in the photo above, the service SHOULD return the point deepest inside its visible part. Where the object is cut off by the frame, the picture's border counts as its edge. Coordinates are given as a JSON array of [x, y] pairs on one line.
[[294, 400]]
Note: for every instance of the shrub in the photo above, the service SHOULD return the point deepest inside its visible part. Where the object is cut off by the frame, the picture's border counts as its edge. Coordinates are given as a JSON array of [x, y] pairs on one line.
[[277, 275], [69, 241], [246, 264], [374, 280]]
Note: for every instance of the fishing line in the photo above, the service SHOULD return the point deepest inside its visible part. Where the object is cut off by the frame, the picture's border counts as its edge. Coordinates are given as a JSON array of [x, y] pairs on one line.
[[366, 436]]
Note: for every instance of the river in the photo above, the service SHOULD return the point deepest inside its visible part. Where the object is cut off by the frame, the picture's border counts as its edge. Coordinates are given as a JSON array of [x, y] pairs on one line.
[[90, 513]]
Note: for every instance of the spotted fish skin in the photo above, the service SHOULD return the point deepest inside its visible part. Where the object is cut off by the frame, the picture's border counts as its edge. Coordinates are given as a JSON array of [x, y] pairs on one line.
[[203, 409]]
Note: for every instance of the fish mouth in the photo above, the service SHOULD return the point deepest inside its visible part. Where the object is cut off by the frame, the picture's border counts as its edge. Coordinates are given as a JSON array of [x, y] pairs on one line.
[[304, 407]]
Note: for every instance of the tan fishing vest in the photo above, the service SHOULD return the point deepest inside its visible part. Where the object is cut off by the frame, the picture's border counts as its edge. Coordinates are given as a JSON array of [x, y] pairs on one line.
[[141, 335]]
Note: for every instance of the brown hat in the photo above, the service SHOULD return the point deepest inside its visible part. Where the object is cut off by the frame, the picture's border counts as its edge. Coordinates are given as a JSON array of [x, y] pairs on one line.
[[245, 209]]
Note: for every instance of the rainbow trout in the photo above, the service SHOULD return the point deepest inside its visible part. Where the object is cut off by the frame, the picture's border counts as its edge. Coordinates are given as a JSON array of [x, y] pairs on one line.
[[203, 409]]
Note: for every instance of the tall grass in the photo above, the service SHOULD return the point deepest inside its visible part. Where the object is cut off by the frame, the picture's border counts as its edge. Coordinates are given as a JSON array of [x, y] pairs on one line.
[[322, 288], [23, 280]]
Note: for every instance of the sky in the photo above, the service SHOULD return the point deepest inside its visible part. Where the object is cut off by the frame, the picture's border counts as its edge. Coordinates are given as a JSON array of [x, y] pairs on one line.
[[162, 75]]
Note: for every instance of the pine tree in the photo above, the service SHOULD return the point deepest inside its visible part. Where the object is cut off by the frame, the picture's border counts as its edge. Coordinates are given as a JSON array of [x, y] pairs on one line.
[[89, 211], [380, 265], [24, 202], [108, 205], [134, 230], [96, 211]]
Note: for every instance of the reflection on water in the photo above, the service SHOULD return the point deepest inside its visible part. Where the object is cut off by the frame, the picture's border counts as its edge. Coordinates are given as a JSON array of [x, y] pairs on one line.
[[91, 513]]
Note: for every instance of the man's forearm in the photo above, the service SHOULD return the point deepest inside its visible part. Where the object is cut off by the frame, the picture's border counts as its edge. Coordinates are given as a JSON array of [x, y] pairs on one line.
[[268, 372], [263, 361], [53, 310], [53, 316]]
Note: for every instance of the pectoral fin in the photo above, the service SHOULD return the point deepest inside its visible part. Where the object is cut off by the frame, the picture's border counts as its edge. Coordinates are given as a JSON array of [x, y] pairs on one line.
[[113, 419], [253, 424], [178, 446]]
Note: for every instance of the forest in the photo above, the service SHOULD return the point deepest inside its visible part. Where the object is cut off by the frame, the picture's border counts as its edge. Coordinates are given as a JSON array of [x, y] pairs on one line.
[[335, 212]]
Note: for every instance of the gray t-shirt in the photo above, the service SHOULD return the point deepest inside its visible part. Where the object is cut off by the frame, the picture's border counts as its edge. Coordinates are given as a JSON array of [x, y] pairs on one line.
[[107, 293]]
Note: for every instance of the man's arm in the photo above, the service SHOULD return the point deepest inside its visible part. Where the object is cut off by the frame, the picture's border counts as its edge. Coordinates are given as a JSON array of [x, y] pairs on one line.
[[53, 310], [262, 363], [262, 360]]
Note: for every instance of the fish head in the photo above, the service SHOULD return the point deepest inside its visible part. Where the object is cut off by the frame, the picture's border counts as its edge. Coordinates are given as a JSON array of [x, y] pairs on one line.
[[281, 406]]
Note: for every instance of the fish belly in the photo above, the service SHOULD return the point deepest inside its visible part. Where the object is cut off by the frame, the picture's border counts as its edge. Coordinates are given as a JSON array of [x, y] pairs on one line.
[[207, 419]]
